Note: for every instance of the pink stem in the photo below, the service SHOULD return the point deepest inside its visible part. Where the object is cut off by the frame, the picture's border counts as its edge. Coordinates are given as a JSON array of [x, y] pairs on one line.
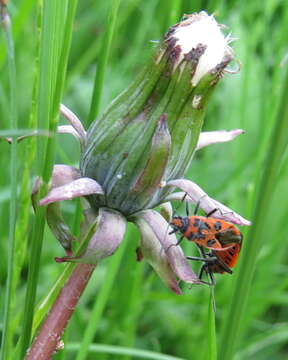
[[45, 344]]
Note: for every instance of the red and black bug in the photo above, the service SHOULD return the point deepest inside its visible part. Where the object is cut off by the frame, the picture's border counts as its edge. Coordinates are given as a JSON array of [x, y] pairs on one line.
[[221, 238]]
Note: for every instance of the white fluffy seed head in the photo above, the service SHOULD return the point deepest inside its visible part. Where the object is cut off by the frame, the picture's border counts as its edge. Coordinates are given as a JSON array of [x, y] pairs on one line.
[[201, 28]]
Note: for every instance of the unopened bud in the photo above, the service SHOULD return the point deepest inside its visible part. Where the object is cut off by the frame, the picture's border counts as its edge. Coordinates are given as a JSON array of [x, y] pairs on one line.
[[127, 151]]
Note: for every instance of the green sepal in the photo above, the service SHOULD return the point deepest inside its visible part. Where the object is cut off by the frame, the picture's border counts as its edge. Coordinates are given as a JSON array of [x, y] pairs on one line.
[[138, 155], [58, 227], [150, 179], [124, 110], [104, 241]]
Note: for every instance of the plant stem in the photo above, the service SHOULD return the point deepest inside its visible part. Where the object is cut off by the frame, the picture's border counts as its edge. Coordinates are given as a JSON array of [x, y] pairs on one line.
[[45, 344]]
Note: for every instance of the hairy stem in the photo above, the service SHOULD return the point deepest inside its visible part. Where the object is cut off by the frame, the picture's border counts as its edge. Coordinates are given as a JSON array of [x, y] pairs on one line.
[[47, 340]]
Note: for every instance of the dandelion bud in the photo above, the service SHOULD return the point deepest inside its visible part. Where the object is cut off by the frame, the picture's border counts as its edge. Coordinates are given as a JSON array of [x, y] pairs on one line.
[[126, 151]]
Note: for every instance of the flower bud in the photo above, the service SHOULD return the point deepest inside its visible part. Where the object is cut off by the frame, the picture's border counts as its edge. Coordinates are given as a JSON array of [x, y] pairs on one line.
[[125, 151]]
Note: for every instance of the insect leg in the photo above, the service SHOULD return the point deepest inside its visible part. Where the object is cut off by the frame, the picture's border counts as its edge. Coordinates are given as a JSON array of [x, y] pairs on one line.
[[179, 241], [206, 259], [201, 272], [202, 251], [173, 231], [224, 266], [211, 276], [206, 268]]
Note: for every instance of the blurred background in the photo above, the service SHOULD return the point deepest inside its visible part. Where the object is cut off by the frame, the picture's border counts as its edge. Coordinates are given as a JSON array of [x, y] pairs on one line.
[[134, 309]]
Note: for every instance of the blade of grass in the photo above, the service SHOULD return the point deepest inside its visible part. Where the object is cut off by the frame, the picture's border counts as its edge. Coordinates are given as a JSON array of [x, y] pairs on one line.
[[119, 350], [18, 23], [6, 25], [278, 143], [134, 302], [212, 341], [277, 335], [50, 45], [103, 60]]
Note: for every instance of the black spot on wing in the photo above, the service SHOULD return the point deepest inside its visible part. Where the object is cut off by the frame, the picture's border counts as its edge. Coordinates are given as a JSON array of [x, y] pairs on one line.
[[196, 236], [211, 242], [217, 226], [201, 236], [203, 226], [191, 236]]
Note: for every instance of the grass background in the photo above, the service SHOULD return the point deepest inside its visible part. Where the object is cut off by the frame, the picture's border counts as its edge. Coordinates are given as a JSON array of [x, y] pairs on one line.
[[125, 308]]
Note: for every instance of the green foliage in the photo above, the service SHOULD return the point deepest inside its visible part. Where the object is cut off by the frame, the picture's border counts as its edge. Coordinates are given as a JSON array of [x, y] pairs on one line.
[[126, 308]]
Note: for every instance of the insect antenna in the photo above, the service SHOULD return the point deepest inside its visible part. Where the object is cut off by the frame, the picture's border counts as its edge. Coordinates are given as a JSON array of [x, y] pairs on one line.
[[183, 199], [187, 205], [212, 212], [209, 213], [197, 207], [176, 230], [187, 208]]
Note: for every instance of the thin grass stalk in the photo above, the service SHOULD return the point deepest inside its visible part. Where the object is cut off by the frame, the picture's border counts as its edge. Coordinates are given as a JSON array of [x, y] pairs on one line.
[[212, 339], [121, 350], [20, 19], [100, 303], [24, 200], [6, 25], [254, 242], [33, 271], [52, 25], [64, 49], [134, 306], [103, 60]]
